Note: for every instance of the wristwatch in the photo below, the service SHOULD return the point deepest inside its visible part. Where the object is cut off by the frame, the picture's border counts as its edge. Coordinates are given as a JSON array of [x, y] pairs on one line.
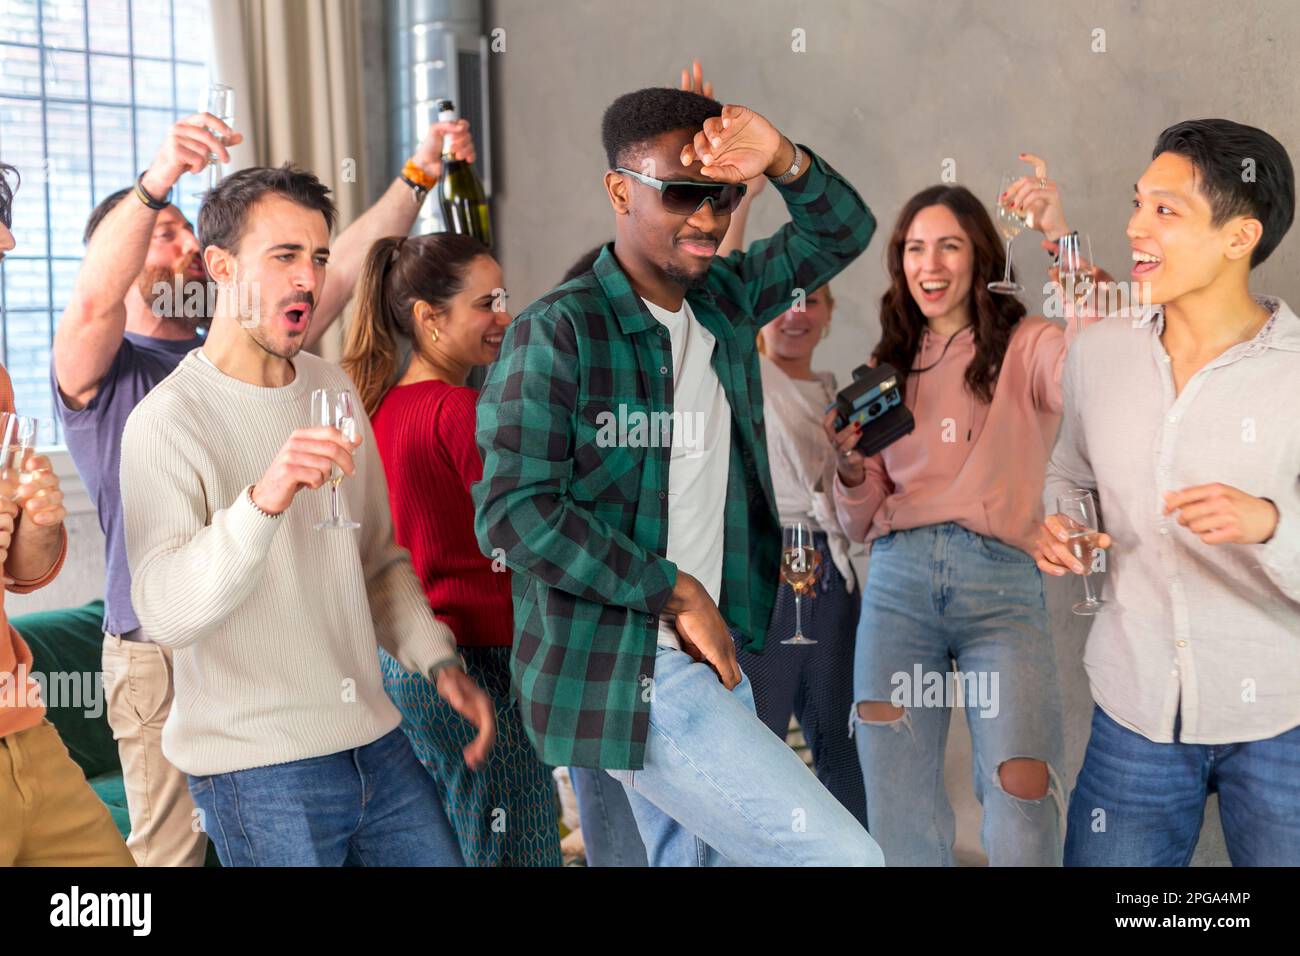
[[793, 171]]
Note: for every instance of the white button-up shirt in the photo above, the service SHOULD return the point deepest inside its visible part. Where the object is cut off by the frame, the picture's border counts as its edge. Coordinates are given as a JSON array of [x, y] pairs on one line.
[[1211, 629]]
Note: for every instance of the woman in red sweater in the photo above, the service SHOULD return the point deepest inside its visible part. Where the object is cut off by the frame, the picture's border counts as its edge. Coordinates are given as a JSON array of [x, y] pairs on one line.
[[441, 296]]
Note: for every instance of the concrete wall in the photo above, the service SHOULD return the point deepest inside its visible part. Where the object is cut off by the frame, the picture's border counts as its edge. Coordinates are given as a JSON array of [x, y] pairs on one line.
[[889, 91]]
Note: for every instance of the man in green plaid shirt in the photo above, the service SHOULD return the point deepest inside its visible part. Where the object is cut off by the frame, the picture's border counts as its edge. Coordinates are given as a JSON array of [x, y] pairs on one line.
[[626, 483]]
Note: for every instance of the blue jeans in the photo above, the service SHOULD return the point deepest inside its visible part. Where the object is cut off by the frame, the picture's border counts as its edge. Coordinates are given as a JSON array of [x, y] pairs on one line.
[[935, 595], [1140, 803], [609, 831], [719, 787], [372, 806]]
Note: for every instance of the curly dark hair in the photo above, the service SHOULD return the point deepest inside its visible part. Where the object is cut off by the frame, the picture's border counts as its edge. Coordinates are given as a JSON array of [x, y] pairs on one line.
[[7, 194], [634, 119], [584, 263], [994, 317]]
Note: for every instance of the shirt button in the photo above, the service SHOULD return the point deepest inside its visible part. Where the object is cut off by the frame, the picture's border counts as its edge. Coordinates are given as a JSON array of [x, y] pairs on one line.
[[649, 618], [661, 330], [1173, 673], [1182, 643], [663, 369], [1164, 529], [663, 495], [1173, 419]]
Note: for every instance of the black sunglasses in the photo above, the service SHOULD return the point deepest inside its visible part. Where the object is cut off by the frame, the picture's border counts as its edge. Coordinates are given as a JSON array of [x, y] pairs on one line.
[[683, 197]]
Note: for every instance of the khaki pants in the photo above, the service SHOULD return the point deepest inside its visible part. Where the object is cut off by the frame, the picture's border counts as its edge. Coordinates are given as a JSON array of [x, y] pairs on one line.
[[164, 827], [49, 816]]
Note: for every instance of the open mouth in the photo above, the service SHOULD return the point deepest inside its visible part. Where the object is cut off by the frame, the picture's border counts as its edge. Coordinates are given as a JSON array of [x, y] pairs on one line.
[[932, 290], [493, 341], [297, 316], [1144, 263], [796, 333]]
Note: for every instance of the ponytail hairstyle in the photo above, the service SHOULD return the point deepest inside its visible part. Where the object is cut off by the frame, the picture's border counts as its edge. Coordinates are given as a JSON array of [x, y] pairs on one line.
[[399, 272]]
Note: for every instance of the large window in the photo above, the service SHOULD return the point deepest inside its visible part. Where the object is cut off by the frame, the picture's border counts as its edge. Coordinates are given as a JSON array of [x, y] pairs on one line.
[[88, 89]]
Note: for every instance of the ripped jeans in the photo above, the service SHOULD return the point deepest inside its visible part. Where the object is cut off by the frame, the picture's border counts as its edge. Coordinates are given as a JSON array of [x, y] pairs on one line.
[[935, 596]]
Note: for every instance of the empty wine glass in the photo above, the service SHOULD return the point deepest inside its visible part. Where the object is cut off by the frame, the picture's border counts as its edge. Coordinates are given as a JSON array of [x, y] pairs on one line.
[[1009, 224], [334, 408], [221, 104]]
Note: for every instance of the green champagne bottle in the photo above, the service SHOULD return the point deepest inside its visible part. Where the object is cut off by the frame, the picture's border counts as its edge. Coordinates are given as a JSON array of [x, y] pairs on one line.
[[464, 205]]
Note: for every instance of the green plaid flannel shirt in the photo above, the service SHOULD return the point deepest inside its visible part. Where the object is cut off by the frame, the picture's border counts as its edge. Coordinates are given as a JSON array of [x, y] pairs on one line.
[[583, 527]]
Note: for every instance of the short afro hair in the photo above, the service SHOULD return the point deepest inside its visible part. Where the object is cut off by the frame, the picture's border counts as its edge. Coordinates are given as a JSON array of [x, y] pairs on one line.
[[1221, 150], [634, 119]]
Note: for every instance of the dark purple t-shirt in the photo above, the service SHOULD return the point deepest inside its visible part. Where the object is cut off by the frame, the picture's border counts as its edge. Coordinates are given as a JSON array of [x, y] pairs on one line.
[[94, 438]]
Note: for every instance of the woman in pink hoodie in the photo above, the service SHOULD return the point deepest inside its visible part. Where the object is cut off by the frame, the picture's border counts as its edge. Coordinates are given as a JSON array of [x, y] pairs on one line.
[[950, 512]]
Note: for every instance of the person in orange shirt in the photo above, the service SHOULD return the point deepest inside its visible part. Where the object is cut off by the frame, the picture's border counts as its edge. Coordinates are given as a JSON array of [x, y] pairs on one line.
[[49, 815]]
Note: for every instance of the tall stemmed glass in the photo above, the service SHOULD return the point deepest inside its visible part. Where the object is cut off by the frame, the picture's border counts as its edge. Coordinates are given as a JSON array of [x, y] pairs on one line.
[[1074, 269], [800, 563], [221, 104], [1078, 510], [19, 442], [334, 408], [1009, 223]]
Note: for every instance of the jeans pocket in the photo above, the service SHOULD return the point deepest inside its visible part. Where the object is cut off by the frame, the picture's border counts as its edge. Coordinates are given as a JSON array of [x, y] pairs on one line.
[[884, 542], [998, 551]]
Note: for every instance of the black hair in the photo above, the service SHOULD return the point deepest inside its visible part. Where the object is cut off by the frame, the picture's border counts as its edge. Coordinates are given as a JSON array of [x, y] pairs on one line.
[[584, 263], [7, 194], [224, 212], [1221, 151], [634, 119], [103, 209]]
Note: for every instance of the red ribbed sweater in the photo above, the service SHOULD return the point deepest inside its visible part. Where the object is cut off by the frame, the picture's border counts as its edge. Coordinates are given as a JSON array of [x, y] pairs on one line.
[[425, 434]]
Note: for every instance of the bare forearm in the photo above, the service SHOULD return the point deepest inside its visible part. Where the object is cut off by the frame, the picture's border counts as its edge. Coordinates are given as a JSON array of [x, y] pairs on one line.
[[393, 215], [33, 551]]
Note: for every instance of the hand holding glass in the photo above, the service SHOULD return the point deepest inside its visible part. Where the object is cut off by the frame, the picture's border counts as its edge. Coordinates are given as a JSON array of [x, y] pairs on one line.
[[334, 408], [1078, 512]]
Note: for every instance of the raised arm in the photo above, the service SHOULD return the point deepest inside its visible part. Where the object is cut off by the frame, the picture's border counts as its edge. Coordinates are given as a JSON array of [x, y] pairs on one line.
[[393, 215], [829, 226], [91, 328]]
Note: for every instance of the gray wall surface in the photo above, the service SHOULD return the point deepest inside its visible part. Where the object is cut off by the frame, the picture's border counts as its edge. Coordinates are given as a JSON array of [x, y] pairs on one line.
[[889, 91]]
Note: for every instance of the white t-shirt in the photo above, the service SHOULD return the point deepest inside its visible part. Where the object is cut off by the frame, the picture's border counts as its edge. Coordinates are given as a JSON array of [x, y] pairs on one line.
[[701, 456]]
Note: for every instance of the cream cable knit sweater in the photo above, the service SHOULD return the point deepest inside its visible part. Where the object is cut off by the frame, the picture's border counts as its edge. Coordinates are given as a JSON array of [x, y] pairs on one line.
[[273, 625]]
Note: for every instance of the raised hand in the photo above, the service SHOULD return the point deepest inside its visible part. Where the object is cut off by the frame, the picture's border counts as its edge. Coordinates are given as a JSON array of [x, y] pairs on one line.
[[429, 154], [186, 150], [1039, 199], [738, 145], [693, 80]]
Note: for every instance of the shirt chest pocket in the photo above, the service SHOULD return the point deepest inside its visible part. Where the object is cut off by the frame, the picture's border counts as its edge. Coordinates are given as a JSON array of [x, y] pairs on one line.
[[611, 441]]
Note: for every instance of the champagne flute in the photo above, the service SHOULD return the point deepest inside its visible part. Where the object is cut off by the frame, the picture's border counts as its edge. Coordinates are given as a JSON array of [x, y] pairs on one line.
[[221, 104], [1078, 510], [1009, 224], [19, 439], [800, 563], [334, 408], [1074, 271]]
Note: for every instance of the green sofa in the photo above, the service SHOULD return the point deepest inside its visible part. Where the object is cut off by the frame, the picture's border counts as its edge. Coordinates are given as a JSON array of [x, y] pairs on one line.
[[70, 641]]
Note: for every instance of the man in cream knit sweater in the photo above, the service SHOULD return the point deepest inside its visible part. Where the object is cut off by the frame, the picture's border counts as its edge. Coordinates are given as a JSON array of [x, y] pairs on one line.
[[273, 625]]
